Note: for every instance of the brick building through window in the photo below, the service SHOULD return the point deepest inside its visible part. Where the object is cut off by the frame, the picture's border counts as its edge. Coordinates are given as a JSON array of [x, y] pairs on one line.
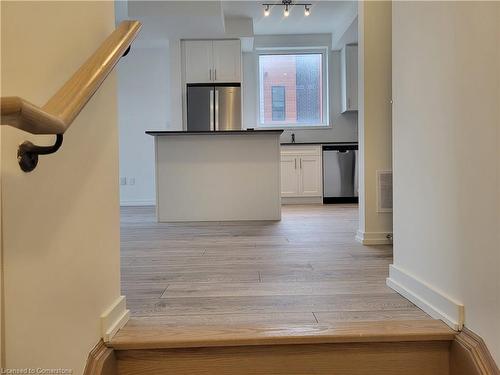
[[291, 88]]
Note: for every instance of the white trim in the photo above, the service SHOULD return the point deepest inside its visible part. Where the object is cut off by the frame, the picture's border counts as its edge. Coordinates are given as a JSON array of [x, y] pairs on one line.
[[373, 238], [325, 61], [145, 202], [114, 318], [432, 301], [301, 200], [293, 127]]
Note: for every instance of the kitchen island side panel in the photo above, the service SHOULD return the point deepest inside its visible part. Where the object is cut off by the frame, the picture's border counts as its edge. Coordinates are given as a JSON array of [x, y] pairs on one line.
[[218, 178]]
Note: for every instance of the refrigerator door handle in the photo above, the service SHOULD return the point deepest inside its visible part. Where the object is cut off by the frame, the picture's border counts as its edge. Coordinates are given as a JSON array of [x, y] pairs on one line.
[[212, 110], [216, 109]]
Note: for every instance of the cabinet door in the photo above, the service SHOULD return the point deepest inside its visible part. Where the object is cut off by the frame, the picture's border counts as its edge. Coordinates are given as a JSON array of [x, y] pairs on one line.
[[227, 60], [289, 176], [199, 61], [310, 176], [352, 77], [349, 77], [343, 80]]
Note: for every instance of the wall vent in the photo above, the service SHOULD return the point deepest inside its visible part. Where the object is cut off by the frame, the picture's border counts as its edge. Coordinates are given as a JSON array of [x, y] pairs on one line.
[[384, 191]]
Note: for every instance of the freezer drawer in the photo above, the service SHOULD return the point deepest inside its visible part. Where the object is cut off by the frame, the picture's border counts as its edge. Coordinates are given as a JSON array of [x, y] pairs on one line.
[[340, 174]]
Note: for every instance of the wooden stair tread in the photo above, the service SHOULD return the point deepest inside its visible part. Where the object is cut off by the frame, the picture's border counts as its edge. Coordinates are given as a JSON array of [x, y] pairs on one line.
[[144, 334]]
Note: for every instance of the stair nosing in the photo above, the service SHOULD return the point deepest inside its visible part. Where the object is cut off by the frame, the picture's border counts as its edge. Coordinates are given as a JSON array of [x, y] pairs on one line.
[[158, 336]]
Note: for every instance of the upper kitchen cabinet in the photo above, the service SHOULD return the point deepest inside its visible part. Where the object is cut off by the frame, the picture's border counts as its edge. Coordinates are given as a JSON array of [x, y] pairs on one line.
[[349, 77], [212, 61], [198, 61], [227, 60]]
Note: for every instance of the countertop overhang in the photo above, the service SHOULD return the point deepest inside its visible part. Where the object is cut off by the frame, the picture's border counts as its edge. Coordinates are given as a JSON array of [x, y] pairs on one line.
[[162, 133]]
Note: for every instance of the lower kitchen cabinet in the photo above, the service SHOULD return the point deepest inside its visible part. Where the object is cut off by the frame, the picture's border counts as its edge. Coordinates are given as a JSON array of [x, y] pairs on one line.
[[301, 172], [289, 176]]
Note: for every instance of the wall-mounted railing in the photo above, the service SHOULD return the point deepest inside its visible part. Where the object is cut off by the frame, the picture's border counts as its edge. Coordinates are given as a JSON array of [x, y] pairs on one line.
[[56, 116]]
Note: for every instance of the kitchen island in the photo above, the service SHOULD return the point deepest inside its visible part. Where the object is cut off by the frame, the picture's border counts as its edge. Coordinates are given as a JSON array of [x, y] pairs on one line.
[[217, 175]]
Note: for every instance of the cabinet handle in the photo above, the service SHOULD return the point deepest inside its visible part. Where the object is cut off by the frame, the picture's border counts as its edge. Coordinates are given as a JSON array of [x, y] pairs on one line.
[[215, 75], [209, 74], [295, 163], [212, 110], [300, 163], [216, 109]]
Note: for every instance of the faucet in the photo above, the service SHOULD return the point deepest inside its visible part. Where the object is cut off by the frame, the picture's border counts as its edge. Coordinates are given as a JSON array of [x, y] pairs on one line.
[[293, 137]]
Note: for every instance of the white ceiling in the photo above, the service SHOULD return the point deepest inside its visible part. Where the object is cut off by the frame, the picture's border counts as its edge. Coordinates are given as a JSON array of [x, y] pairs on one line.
[[163, 20], [326, 17], [178, 19]]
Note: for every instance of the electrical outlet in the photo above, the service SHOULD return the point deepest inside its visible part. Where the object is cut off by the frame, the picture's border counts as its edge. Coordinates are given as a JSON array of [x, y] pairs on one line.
[[123, 180], [131, 180]]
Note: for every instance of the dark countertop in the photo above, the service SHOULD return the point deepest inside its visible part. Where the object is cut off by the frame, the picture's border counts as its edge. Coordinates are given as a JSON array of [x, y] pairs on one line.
[[317, 143], [208, 132]]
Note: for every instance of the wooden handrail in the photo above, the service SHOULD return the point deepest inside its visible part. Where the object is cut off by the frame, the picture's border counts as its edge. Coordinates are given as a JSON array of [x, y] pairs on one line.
[[58, 113]]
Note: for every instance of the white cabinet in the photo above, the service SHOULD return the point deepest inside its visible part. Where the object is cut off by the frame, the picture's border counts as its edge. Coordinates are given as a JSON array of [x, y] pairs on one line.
[[198, 61], [289, 176], [207, 61], [349, 77], [227, 60], [301, 172], [310, 175]]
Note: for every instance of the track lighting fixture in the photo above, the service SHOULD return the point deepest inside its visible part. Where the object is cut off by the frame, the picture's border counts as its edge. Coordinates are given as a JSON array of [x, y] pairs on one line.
[[287, 4]]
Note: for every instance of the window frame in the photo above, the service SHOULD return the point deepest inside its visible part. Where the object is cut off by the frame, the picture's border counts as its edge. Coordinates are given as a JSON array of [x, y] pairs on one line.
[[324, 51]]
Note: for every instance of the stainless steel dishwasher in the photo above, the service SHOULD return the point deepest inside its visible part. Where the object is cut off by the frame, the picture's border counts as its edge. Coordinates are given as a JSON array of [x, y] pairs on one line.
[[340, 173]]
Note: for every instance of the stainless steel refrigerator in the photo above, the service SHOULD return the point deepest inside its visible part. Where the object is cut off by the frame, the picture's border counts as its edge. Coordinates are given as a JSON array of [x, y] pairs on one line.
[[213, 107]]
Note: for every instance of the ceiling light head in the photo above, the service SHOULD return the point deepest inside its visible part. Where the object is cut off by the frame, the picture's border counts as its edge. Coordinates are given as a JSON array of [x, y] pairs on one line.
[[307, 10], [267, 11], [286, 13]]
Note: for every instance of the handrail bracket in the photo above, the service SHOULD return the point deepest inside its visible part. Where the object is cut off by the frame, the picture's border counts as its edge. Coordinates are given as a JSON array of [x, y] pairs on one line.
[[61, 109], [27, 153]]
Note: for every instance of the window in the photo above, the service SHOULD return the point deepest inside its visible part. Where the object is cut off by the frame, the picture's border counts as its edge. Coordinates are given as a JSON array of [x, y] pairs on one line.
[[278, 103], [292, 89]]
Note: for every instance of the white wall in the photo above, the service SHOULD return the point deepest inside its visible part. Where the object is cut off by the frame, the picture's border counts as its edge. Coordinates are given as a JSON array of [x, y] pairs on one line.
[[61, 221], [144, 104], [176, 91], [374, 86], [350, 36], [344, 126], [446, 82]]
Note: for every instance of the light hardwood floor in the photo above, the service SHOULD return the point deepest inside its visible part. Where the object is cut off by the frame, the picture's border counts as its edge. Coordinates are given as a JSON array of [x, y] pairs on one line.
[[306, 269]]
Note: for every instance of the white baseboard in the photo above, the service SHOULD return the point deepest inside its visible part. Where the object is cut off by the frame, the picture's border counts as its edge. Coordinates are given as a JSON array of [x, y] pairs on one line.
[[433, 302], [146, 202], [373, 238], [114, 318], [301, 200]]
